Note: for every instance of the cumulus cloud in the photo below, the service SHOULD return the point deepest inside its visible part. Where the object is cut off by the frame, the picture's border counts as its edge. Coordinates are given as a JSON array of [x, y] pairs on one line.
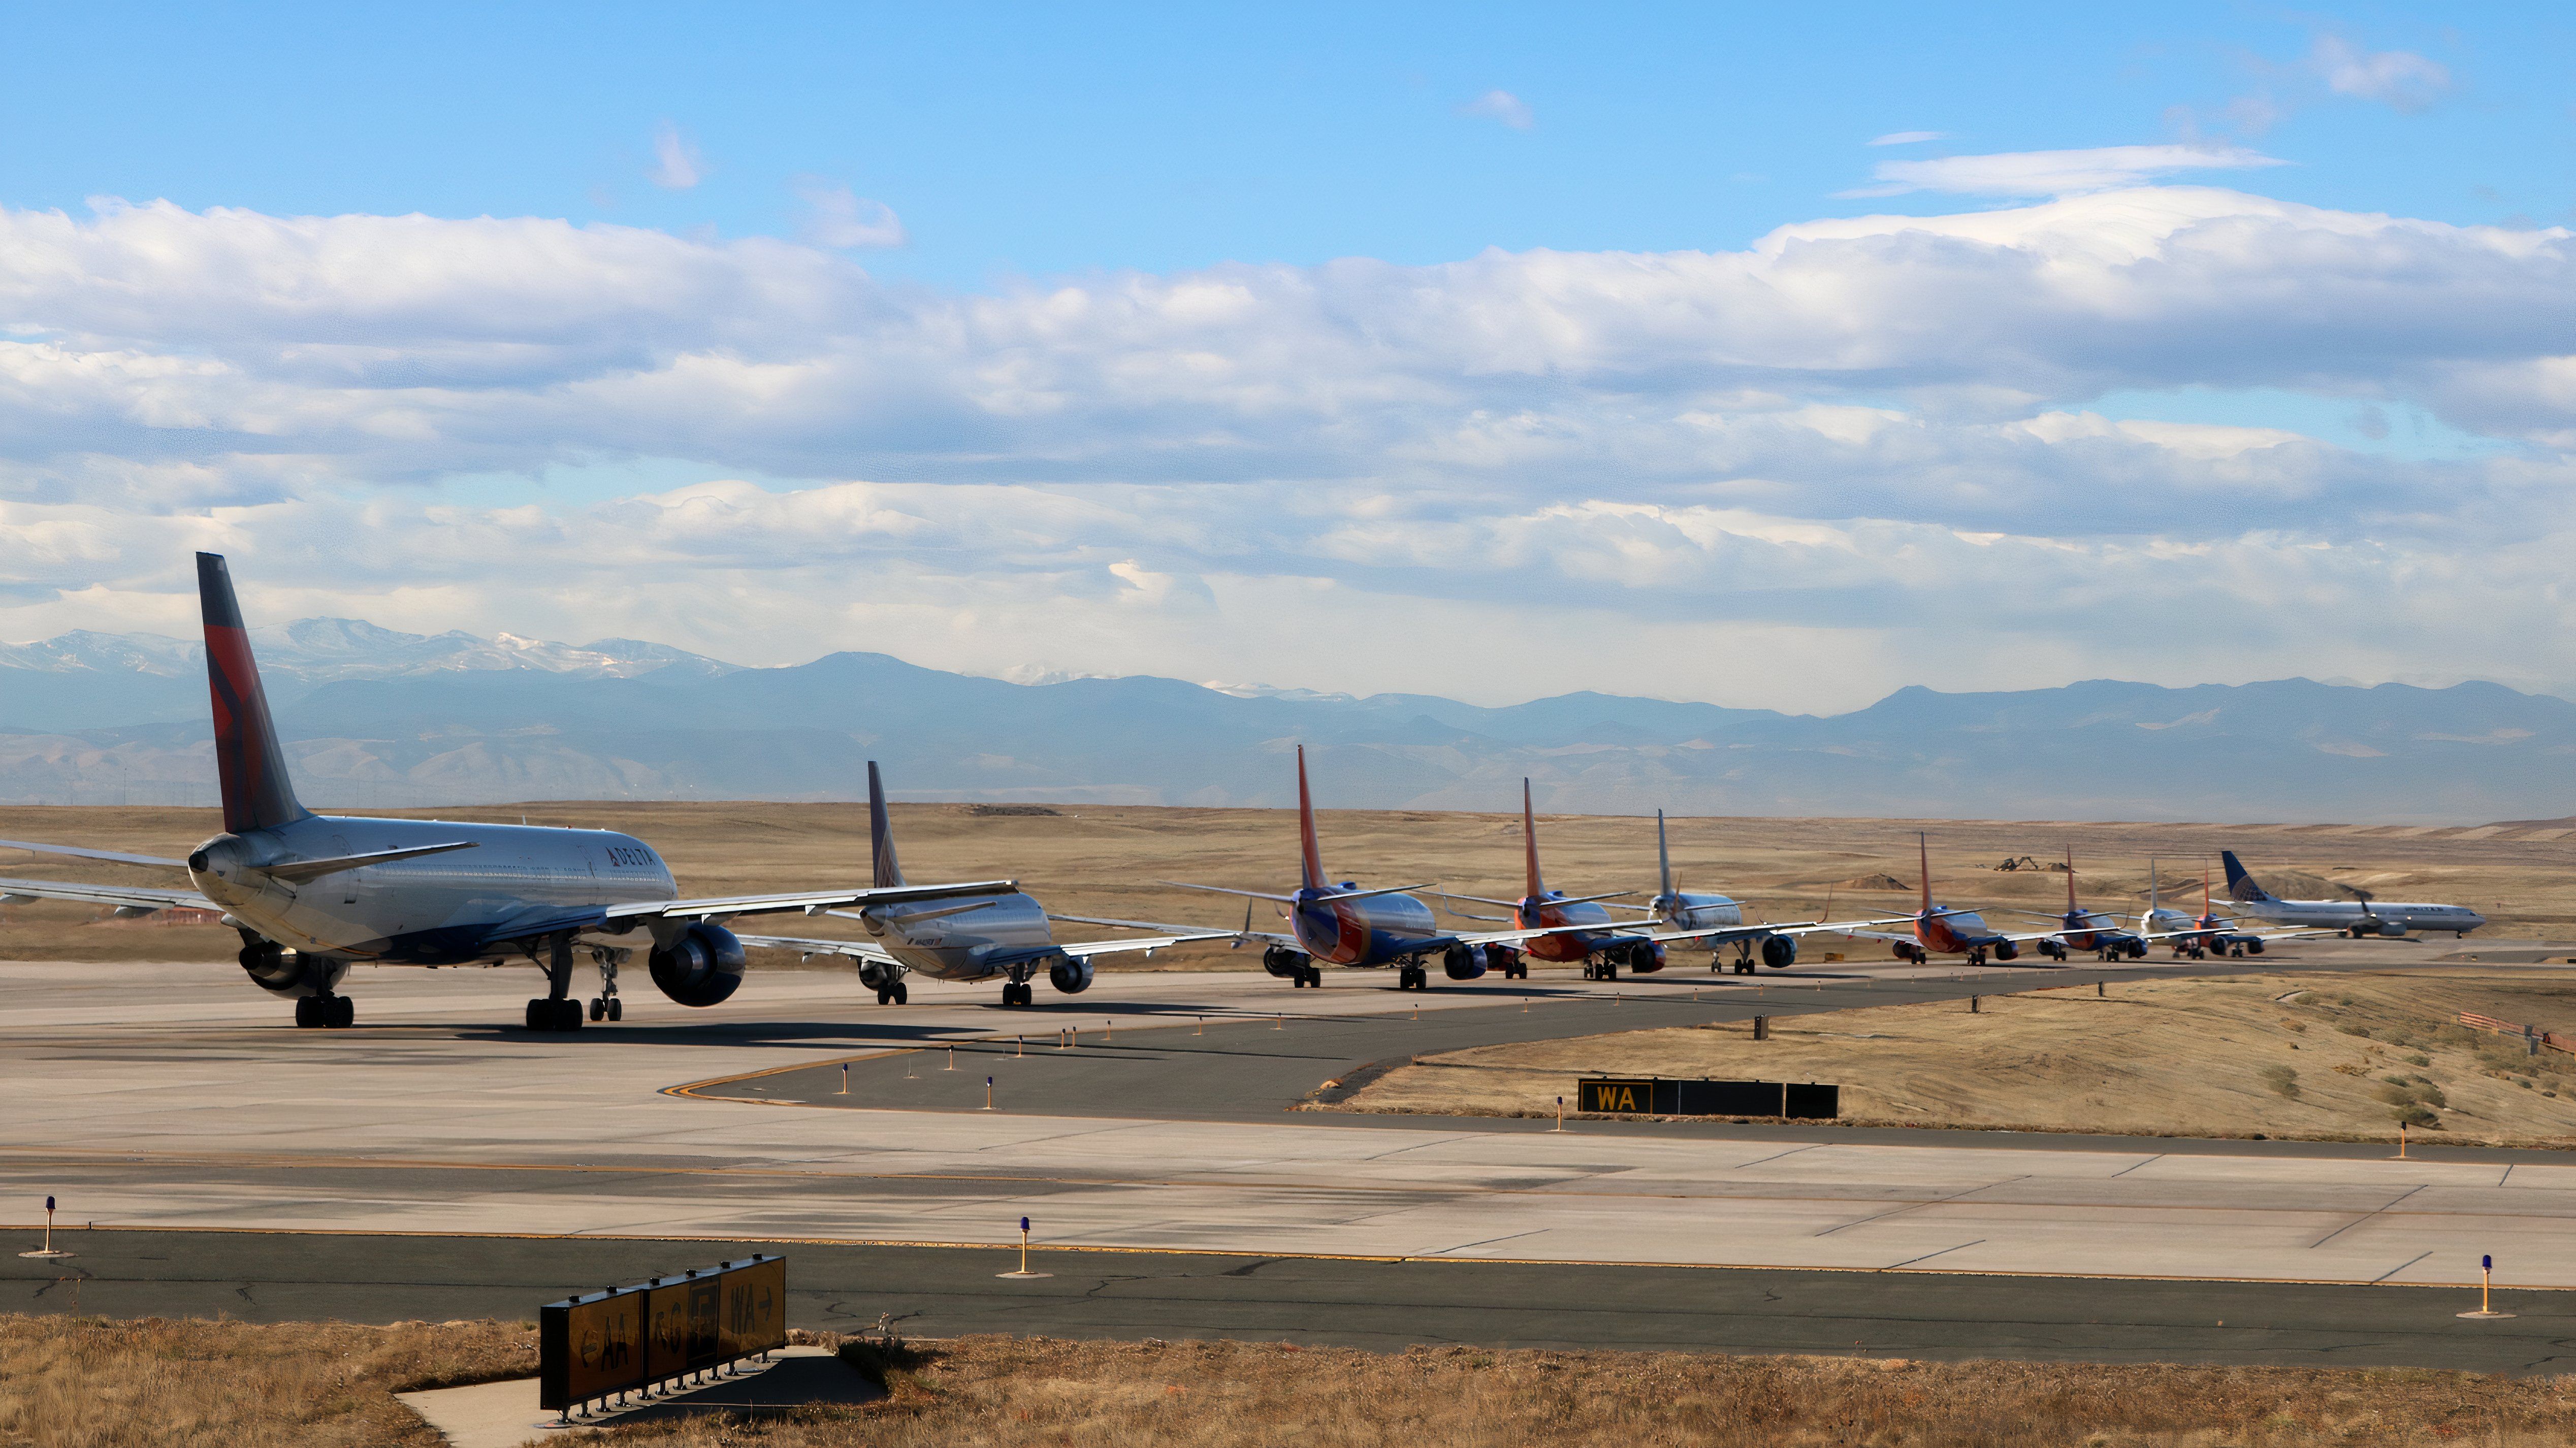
[[1501, 107], [1836, 447], [2397, 78], [677, 166], [1909, 138], [836, 218], [2054, 173]]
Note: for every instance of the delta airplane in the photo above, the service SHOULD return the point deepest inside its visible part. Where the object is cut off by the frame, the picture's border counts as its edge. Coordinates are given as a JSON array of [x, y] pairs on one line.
[[2084, 929], [1585, 932], [1002, 933], [1347, 926], [310, 894], [1939, 930], [2356, 918]]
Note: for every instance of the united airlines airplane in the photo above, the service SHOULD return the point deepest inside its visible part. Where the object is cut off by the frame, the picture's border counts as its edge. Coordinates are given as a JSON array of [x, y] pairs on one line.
[[312, 894], [2356, 918], [1001, 932]]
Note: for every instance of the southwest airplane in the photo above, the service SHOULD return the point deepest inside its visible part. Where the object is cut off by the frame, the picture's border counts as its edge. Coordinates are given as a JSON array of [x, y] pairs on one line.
[[1347, 926], [312, 893], [1584, 931], [1002, 932], [2356, 918], [2082, 929], [1939, 930]]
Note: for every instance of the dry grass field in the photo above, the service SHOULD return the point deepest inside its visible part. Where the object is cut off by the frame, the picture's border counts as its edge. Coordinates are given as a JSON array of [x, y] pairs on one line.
[[1102, 860], [2332, 1057], [69, 1383]]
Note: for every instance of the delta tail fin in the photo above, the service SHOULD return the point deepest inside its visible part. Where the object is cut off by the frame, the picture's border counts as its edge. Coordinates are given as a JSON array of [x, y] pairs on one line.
[[248, 759], [1529, 842], [1663, 858], [881, 833], [1310, 859], [2240, 886]]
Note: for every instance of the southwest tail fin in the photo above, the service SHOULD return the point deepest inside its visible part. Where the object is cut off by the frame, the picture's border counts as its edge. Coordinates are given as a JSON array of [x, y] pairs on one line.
[[881, 833], [1663, 857], [2071, 906], [1529, 842], [2240, 886], [1310, 861], [248, 758], [1924, 844]]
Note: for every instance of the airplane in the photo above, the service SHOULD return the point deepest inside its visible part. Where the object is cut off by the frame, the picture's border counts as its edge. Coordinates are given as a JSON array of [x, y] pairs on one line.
[[311, 894], [2087, 929], [2193, 937], [1002, 933], [1342, 924], [1939, 930], [1585, 931], [2357, 918]]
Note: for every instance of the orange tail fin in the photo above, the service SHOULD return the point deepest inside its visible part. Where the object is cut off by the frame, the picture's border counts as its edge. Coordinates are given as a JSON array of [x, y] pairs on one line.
[[1529, 841], [1311, 861]]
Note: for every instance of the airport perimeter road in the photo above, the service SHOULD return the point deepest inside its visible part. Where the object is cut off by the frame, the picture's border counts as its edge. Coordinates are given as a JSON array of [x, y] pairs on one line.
[[943, 1292]]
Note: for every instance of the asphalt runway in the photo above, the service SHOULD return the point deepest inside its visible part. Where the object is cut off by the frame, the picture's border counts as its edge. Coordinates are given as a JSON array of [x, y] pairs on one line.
[[434, 1163], [944, 1292]]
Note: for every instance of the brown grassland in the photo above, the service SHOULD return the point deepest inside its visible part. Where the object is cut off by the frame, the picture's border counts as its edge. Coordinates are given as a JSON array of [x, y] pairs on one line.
[[1103, 860], [2335, 1057], [74, 1383]]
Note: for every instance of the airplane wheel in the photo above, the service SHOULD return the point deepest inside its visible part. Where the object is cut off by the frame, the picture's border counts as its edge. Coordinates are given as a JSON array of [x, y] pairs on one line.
[[616, 1009], [901, 995], [306, 1017], [343, 1013], [885, 997], [598, 1009]]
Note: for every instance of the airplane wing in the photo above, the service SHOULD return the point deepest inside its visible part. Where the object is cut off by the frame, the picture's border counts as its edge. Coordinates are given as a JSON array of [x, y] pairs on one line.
[[854, 949], [1174, 934], [813, 902], [78, 853], [1229, 890], [1085, 949], [1804, 927], [128, 900]]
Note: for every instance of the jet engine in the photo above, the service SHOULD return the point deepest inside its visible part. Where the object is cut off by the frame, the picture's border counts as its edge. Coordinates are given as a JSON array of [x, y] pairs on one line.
[[292, 973], [1283, 962], [1779, 951], [877, 975], [1463, 962], [2007, 950], [1907, 950], [2253, 945], [1069, 975], [1643, 956], [701, 968], [2392, 927]]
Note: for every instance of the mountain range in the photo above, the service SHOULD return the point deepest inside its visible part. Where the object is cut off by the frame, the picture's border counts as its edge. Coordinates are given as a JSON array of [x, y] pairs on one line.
[[379, 718]]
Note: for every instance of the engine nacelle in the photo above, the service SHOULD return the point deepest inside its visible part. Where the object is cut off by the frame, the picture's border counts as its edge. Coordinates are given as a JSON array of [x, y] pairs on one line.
[[2253, 945], [1069, 975], [1463, 962], [877, 975], [2053, 949], [1283, 962], [701, 968], [1644, 957], [291, 973], [2392, 928], [1907, 950], [2007, 950], [1779, 951], [1505, 959]]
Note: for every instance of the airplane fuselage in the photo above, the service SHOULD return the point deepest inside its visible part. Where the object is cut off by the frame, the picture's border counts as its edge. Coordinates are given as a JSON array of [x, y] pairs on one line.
[[2378, 917], [1686, 911], [437, 909], [2093, 930], [1953, 932], [1547, 911], [940, 941], [1374, 930]]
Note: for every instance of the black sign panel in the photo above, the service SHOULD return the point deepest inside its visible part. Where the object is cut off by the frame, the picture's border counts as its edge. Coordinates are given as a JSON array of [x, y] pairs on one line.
[[1664, 1096], [631, 1337]]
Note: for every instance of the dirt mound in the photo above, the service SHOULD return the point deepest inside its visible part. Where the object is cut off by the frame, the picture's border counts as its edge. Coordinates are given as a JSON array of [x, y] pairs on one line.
[[1010, 809], [1873, 882]]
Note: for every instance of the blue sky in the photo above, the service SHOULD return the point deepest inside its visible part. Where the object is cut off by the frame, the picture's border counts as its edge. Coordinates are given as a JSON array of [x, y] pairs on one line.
[[1769, 355]]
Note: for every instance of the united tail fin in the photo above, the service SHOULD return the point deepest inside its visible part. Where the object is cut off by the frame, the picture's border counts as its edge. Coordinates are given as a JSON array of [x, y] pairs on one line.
[[2240, 886], [248, 759], [1529, 842], [881, 833], [1310, 860], [1663, 857]]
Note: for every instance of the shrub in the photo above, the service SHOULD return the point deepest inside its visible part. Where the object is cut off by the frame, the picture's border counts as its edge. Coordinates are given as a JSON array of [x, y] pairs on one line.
[[2283, 1081]]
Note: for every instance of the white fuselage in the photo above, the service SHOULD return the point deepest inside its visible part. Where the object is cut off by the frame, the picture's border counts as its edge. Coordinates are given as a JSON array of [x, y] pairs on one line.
[[1683, 910], [2406, 916], [431, 910], [938, 940]]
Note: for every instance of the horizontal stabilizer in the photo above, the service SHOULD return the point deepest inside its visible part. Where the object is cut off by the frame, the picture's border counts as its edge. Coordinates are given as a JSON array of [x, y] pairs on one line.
[[299, 871]]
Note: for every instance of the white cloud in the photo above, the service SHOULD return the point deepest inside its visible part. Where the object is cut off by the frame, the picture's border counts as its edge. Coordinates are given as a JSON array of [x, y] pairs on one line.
[[2054, 173], [1500, 106], [1909, 138], [836, 218], [677, 166], [2397, 78], [1844, 445]]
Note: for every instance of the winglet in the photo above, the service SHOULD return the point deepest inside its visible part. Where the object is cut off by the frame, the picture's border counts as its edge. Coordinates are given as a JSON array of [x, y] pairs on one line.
[[1529, 842], [1311, 855], [1663, 856], [248, 759], [881, 833]]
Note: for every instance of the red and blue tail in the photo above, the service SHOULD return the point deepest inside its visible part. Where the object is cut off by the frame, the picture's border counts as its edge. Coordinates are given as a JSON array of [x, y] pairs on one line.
[[1529, 842], [248, 758], [1310, 861]]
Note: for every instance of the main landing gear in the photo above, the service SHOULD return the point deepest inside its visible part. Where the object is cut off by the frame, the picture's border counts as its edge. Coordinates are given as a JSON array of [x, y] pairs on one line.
[[892, 993], [326, 1012], [1018, 991], [1307, 977], [558, 1012], [1600, 970], [1412, 976]]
